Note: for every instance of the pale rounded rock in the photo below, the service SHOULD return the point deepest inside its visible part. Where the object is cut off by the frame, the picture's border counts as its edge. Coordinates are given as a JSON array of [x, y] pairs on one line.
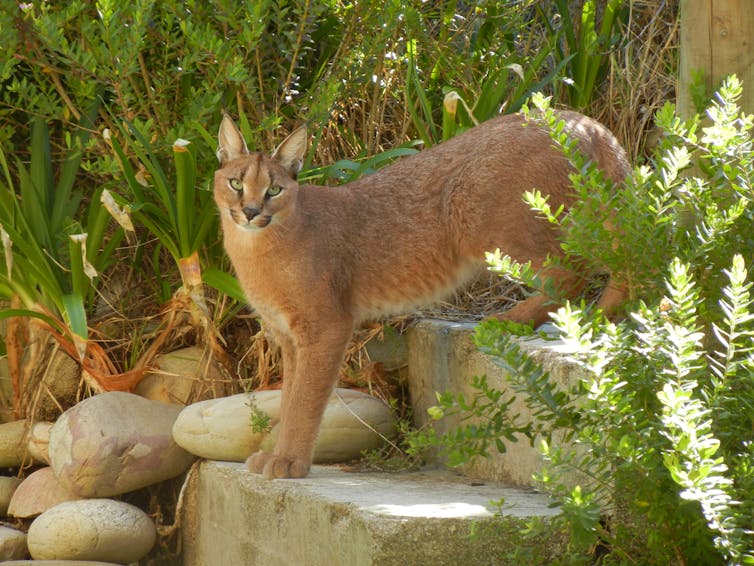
[[12, 443], [176, 376], [12, 544], [353, 422], [8, 486], [92, 529], [220, 429], [39, 492], [114, 443], [390, 350], [21, 442], [38, 441], [60, 384], [6, 384]]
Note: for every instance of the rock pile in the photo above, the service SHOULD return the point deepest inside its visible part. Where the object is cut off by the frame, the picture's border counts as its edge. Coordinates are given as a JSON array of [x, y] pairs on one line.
[[115, 443]]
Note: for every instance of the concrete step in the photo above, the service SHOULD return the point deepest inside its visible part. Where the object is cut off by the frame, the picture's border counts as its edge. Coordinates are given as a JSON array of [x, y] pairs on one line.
[[334, 518], [442, 357]]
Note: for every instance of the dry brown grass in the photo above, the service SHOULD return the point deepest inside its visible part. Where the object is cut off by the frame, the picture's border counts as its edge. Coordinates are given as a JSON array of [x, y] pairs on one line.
[[642, 75]]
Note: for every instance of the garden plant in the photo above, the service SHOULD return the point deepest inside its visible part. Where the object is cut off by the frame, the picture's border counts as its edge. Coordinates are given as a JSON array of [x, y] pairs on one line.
[[659, 428]]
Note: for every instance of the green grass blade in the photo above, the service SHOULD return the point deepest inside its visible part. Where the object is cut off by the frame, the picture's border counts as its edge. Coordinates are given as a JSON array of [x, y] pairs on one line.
[[79, 281], [224, 282], [31, 208], [207, 222], [415, 92], [64, 201], [96, 223], [159, 180], [40, 169], [161, 232], [5, 169], [586, 57], [566, 24], [527, 87], [75, 317], [32, 269], [185, 174], [602, 43], [209, 139], [128, 171], [29, 313]]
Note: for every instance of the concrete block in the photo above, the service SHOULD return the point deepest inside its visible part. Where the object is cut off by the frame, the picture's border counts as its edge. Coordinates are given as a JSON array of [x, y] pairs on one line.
[[334, 518], [442, 358]]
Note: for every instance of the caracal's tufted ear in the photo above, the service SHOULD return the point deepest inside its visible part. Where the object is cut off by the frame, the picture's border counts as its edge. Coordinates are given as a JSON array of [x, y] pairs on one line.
[[290, 154], [230, 141]]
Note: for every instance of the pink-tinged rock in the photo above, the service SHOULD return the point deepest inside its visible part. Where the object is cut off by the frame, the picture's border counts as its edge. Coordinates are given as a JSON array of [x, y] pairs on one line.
[[114, 443], [37, 493], [92, 529]]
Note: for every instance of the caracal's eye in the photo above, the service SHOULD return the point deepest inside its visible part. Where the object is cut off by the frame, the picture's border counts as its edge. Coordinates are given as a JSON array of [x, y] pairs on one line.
[[274, 191], [236, 185]]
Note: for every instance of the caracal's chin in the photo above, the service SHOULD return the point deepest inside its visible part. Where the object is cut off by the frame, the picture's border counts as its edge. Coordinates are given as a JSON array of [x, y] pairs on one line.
[[255, 225]]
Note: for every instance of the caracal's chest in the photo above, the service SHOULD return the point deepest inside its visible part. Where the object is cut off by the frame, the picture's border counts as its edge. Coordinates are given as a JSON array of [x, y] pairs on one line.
[[278, 277]]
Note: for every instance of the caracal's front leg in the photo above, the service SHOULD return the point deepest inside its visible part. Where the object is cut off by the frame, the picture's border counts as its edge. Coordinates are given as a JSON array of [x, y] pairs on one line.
[[305, 393]]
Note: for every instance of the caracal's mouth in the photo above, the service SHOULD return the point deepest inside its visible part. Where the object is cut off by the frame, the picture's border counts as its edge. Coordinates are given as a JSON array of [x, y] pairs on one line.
[[256, 223], [261, 221]]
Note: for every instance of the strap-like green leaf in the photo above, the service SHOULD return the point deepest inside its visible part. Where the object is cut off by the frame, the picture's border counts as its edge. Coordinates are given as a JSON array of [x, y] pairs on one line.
[[224, 282], [75, 315]]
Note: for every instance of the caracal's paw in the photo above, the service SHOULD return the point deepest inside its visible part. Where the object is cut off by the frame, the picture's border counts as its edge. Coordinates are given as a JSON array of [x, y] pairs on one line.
[[273, 466]]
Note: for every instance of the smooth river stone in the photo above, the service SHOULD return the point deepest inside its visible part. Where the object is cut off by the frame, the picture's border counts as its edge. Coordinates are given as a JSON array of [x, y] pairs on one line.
[[38, 493], [220, 429], [114, 443], [92, 529]]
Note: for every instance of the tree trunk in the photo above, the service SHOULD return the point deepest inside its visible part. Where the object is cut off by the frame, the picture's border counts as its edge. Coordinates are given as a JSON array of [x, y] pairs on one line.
[[717, 40]]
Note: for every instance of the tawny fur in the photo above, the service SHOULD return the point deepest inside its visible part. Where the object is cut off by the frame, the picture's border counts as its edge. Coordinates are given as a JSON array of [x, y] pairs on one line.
[[316, 261]]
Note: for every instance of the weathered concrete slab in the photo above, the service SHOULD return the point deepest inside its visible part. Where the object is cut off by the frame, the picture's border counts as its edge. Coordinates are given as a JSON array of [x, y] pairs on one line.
[[334, 518], [442, 358]]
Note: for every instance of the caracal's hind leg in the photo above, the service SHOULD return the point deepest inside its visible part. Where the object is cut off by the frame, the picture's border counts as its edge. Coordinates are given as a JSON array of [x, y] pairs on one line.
[[612, 297], [535, 310]]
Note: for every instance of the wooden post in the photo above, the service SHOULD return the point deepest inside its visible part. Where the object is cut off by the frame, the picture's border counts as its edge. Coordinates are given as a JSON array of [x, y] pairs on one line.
[[717, 40]]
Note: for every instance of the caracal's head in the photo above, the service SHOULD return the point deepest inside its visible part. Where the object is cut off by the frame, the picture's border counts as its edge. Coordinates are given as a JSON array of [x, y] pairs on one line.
[[252, 189]]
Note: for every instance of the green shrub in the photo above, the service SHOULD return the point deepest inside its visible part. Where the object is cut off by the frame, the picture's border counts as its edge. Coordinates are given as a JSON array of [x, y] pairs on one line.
[[661, 423]]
